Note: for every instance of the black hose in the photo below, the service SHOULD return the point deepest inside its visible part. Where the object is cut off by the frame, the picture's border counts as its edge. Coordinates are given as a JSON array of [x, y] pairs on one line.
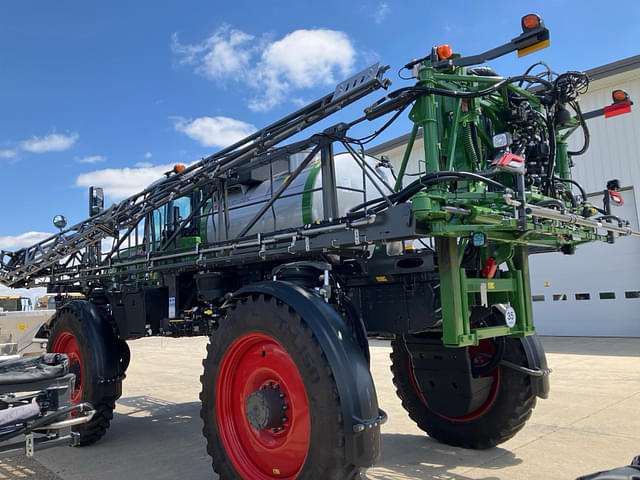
[[585, 130], [549, 72], [552, 201], [552, 155], [498, 344], [612, 217], [493, 88], [429, 179], [573, 182], [372, 136], [414, 92], [482, 71], [572, 198]]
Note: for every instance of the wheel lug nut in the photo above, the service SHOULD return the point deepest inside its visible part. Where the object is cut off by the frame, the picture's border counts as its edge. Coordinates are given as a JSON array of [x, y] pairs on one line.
[[284, 407], [282, 395], [284, 419], [276, 386]]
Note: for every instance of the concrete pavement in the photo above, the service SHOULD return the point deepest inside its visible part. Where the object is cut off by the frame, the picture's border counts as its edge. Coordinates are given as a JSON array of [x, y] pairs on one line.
[[591, 421]]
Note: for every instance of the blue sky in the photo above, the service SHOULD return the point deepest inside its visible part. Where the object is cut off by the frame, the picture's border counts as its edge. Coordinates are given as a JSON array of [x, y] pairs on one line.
[[112, 93]]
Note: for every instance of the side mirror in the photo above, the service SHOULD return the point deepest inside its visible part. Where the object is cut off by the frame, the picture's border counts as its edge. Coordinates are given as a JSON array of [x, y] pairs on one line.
[[59, 222], [96, 201]]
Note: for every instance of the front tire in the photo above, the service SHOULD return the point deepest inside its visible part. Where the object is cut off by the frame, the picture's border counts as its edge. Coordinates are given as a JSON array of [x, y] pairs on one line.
[[69, 335], [269, 400], [505, 411]]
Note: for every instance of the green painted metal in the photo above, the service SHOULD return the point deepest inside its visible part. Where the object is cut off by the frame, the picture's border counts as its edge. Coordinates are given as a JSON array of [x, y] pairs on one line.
[[307, 217], [424, 114], [454, 135], [405, 157], [562, 169], [455, 327], [492, 284], [449, 145]]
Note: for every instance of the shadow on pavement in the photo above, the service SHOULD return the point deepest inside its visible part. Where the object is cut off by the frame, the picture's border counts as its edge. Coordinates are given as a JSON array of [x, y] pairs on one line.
[[21, 468], [419, 457], [149, 438]]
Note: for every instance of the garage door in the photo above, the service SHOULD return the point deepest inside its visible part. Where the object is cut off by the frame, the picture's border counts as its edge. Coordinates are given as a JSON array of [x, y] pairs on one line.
[[595, 292]]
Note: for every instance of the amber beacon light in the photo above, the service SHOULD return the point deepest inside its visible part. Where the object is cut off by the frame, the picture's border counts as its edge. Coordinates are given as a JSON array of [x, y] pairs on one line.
[[531, 21], [444, 51]]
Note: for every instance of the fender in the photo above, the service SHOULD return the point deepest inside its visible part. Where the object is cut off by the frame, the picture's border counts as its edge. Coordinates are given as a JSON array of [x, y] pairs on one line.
[[537, 359], [358, 399], [104, 351]]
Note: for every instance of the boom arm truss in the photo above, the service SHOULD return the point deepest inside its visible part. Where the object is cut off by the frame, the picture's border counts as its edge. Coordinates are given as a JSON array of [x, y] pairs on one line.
[[25, 267]]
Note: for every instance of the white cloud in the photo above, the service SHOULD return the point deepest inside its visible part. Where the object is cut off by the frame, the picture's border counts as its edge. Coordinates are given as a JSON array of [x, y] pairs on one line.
[[301, 59], [8, 153], [381, 13], [148, 155], [91, 159], [54, 142], [214, 131], [119, 183], [144, 164], [23, 240], [226, 52]]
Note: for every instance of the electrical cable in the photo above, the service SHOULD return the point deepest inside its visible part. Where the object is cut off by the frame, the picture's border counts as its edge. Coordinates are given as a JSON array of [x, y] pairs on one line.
[[400, 75], [549, 72], [369, 138]]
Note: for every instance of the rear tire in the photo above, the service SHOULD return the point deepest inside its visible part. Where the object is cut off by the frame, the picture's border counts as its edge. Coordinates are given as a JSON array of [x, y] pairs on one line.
[[68, 336], [499, 419], [263, 345]]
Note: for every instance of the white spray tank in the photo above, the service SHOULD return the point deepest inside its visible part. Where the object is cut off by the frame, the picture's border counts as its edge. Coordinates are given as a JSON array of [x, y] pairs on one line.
[[301, 203]]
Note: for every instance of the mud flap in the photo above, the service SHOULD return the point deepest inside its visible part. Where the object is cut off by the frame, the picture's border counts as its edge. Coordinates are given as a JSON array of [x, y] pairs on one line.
[[537, 360], [358, 400], [105, 351]]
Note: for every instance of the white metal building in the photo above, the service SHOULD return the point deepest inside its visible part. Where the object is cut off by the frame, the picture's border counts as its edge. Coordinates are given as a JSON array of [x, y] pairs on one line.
[[595, 292]]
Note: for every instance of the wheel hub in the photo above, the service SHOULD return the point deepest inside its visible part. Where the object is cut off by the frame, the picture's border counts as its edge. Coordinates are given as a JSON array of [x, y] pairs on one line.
[[76, 370], [262, 409], [66, 343], [266, 408]]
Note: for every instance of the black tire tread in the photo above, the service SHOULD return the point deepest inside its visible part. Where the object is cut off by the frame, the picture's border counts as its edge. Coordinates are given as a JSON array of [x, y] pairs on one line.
[[506, 425], [93, 431], [105, 404], [336, 468]]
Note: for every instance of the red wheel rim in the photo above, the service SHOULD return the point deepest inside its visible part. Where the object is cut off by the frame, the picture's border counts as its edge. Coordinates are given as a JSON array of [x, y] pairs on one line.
[[66, 343], [484, 347], [253, 361]]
